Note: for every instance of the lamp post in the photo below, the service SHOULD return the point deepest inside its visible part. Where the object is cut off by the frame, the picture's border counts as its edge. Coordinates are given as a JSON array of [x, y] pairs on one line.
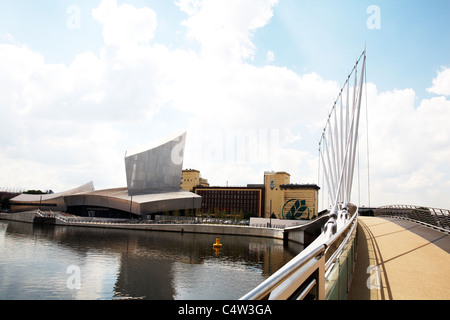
[[272, 186], [131, 204], [270, 213]]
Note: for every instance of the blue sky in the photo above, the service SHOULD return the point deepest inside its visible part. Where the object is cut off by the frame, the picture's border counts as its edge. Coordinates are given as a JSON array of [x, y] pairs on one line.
[[324, 36], [271, 66], [321, 36]]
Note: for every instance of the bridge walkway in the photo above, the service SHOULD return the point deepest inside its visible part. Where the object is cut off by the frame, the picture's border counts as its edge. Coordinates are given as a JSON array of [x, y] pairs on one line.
[[412, 261]]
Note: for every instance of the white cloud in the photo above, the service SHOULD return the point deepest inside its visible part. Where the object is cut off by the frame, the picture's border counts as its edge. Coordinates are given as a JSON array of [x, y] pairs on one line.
[[409, 148], [224, 27], [270, 56], [191, 7], [441, 84], [8, 37], [19, 63], [125, 25]]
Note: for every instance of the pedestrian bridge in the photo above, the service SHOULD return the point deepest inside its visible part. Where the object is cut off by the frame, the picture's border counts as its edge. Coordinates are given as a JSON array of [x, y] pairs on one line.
[[400, 260], [401, 252], [388, 256]]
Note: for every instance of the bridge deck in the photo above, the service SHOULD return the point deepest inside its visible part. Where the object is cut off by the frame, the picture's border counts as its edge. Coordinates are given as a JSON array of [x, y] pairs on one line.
[[414, 261]]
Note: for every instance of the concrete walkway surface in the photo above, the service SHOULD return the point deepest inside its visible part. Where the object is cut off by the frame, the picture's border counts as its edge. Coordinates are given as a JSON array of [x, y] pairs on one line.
[[400, 260]]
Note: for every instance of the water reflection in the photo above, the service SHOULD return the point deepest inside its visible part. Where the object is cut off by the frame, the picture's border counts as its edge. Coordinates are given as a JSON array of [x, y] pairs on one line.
[[119, 264]]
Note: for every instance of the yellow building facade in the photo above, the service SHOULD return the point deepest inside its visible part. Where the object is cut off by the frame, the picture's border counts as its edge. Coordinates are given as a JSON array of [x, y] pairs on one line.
[[274, 194], [277, 197], [289, 201], [191, 178]]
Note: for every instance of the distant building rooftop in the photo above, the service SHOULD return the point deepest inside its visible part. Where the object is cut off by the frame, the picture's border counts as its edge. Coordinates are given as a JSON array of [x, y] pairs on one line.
[[153, 186], [299, 186]]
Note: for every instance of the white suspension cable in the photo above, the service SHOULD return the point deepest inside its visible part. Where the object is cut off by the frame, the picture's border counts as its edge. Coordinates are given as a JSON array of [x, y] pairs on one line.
[[337, 147], [367, 137]]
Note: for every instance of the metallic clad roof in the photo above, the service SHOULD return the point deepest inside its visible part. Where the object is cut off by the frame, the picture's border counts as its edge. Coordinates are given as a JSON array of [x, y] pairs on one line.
[[153, 185], [152, 202], [44, 197], [158, 168]]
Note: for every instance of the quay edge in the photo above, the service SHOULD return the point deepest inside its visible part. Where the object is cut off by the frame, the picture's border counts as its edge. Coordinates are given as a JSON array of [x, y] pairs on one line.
[[216, 229]]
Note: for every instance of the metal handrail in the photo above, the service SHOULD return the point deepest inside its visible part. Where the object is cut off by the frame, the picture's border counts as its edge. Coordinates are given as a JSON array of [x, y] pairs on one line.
[[265, 288], [307, 290], [341, 247], [307, 224], [432, 217], [263, 291]]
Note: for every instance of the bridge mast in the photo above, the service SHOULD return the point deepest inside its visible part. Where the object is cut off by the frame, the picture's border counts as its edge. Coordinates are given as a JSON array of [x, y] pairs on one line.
[[337, 147]]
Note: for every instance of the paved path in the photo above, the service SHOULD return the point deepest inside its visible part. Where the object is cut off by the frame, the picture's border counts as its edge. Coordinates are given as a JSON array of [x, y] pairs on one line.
[[413, 261]]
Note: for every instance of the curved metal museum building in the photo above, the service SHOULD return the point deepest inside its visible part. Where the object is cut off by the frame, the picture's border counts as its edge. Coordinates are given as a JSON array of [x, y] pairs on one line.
[[153, 187]]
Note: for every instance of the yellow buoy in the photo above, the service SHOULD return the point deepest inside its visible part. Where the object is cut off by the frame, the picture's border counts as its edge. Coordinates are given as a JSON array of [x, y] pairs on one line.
[[217, 244]]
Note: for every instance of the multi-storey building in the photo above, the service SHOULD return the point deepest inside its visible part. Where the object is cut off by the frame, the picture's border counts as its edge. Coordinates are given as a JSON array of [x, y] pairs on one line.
[[232, 200], [276, 198]]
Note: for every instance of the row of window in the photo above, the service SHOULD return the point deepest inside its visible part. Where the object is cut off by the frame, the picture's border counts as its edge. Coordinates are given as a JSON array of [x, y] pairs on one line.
[[247, 201], [34, 204], [219, 194], [254, 210], [237, 205]]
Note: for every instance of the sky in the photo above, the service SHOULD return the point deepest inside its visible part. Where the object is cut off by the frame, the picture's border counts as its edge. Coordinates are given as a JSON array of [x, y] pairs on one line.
[[251, 81]]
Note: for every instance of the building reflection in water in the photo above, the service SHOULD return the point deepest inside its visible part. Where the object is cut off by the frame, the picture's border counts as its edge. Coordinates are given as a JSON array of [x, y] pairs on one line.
[[122, 264]]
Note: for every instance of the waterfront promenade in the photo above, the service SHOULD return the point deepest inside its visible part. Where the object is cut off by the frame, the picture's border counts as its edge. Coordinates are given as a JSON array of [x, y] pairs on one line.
[[61, 219], [412, 261]]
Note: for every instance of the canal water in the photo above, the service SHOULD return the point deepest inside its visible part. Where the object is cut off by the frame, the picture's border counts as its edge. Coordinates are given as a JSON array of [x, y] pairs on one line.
[[71, 263]]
